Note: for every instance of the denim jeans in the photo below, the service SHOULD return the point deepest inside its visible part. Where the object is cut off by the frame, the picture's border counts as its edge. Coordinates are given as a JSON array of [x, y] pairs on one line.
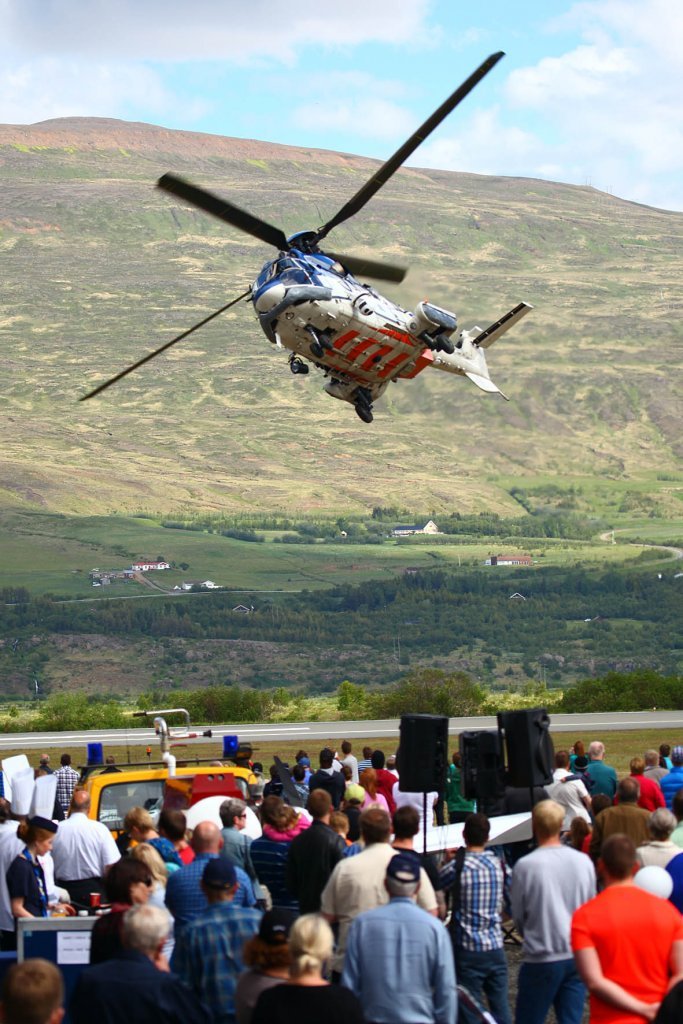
[[556, 984], [483, 974]]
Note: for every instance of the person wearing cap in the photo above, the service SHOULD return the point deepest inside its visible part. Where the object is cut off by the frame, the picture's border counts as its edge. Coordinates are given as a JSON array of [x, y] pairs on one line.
[[357, 883], [398, 959], [603, 776], [672, 782], [313, 854], [185, 897], [266, 957], [208, 951], [327, 778], [25, 876]]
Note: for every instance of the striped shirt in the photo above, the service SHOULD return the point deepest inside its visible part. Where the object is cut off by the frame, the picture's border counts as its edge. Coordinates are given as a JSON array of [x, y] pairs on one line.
[[269, 857], [484, 890]]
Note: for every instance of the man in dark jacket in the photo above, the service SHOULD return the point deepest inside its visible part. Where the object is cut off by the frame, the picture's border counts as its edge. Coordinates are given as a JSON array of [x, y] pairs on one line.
[[313, 854], [136, 986], [327, 778]]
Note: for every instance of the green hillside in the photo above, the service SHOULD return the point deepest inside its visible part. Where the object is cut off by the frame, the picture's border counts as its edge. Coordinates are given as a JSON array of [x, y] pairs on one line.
[[99, 267]]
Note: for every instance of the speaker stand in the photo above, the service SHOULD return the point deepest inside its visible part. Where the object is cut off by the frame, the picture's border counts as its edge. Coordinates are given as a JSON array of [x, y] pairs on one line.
[[424, 824]]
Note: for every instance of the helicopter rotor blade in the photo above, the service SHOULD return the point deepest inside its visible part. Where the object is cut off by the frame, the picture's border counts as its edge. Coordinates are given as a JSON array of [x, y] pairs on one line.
[[361, 267], [380, 178], [224, 210], [157, 352]]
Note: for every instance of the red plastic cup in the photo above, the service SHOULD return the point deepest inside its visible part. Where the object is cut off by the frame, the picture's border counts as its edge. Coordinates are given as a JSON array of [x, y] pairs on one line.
[[95, 899]]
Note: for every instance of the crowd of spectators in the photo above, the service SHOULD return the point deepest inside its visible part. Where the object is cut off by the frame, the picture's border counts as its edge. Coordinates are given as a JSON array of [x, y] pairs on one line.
[[335, 913]]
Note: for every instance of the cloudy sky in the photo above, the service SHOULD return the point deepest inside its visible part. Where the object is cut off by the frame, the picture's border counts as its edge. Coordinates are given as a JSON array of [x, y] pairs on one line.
[[588, 93]]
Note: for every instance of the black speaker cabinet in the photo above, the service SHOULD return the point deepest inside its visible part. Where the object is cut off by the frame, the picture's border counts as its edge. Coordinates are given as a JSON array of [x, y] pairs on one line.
[[423, 753], [529, 748], [481, 764]]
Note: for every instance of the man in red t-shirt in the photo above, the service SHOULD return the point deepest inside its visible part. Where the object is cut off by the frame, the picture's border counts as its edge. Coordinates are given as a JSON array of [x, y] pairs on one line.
[[628, 944]]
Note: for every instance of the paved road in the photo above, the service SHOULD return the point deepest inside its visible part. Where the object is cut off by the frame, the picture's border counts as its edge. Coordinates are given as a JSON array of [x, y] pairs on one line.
[[310, 732]]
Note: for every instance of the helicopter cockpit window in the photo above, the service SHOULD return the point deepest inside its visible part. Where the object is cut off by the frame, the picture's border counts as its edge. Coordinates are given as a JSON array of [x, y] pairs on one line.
[[292, 272]]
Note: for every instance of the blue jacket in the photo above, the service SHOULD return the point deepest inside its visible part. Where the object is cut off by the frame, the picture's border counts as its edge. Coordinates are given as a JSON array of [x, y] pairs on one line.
[[671, 784]]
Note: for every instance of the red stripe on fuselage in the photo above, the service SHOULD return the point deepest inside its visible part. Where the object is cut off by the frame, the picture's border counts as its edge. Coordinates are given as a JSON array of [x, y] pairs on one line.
[[402, 357], [397, 335], [377, 357], [349, 336]]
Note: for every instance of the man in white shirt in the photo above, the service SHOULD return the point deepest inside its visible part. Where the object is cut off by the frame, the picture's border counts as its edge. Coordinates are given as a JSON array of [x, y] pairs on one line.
[[83, 851], [357, 883], [350, 761], [569, 792], [10, 847]]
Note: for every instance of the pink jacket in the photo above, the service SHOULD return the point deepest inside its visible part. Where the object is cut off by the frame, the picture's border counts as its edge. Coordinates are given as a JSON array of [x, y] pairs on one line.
[[297, 828]]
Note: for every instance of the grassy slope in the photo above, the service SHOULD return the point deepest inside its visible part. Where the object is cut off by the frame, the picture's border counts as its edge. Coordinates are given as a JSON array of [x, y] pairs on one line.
[[99, 268]]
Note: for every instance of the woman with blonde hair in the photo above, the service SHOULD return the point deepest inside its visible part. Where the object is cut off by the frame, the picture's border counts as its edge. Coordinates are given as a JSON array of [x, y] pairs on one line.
[[308, 998], [373, 798], [147, 855]]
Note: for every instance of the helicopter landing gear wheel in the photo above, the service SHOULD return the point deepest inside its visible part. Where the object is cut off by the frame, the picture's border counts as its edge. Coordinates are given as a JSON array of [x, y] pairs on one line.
[[318, 342], [363, 405], [298, 365]]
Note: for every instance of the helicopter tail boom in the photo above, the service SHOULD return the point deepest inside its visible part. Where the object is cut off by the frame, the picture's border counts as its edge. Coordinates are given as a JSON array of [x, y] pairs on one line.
[[469, 360]]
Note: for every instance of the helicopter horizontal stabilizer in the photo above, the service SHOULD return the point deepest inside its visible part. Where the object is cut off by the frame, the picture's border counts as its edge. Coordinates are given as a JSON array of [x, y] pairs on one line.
[[486, 384], [486, 338]]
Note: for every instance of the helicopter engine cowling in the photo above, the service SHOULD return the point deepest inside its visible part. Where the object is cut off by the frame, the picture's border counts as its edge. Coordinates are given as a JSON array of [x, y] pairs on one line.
[[432, 320]]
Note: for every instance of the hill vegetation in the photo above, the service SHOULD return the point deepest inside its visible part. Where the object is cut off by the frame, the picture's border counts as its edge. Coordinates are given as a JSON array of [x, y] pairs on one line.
[[98, 268]]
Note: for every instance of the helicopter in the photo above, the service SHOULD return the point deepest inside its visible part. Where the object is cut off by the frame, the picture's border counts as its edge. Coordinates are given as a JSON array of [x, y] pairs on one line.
[[316, 305]]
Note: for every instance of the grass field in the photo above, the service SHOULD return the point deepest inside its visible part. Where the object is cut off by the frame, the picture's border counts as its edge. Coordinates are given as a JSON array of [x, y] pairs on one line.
[[54, 554]]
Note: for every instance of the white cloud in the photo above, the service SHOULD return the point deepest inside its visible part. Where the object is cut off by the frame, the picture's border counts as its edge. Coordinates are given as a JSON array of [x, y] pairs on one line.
[[607, 111], [174, 30], [47, 88]]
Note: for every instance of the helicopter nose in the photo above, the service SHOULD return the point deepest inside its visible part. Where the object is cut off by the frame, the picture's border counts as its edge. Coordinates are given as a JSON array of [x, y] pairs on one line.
[[270, 298]]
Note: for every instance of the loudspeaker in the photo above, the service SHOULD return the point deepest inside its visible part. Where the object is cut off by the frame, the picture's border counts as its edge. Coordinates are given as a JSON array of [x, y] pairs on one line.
[[423, 753], [481, 764], [529, 748]]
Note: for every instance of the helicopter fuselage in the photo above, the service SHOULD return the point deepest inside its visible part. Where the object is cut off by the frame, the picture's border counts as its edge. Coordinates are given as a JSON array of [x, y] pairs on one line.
[[311, 305]]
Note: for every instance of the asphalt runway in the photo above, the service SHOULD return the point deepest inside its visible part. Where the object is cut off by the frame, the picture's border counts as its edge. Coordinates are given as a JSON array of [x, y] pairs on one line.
[[311, 731]]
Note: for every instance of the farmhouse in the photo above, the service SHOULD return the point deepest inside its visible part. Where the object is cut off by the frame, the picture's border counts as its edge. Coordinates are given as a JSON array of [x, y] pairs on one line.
[[508, 560], [147, 565], [204, 584], [410, 531]]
